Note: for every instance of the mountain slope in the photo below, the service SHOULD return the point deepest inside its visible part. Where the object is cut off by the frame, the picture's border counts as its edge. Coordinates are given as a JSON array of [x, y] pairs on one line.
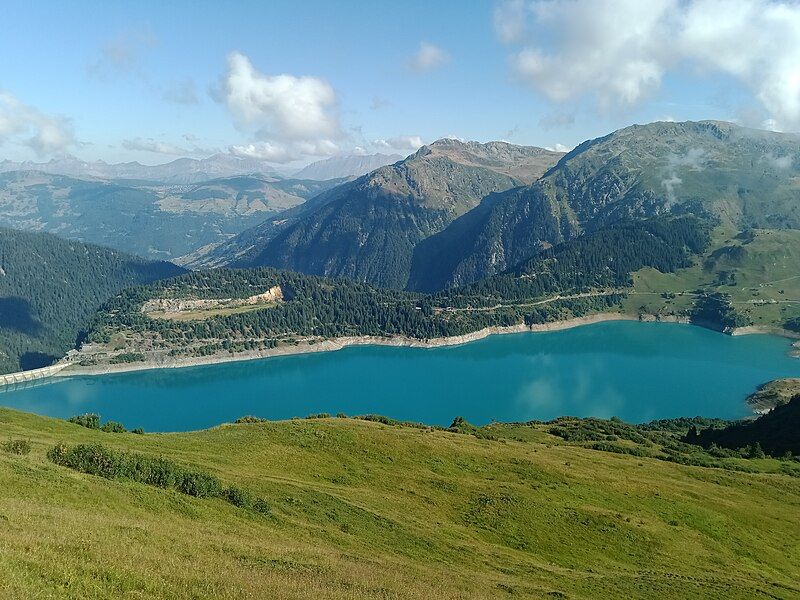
[[367, 230], [739, 177], [49, 289], [146, 218], [346, 166]]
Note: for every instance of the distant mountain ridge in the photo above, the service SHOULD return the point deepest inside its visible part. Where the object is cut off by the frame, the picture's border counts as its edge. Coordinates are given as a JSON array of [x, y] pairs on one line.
[[354, 165], [145, 218], [367, 229], [179, 171]]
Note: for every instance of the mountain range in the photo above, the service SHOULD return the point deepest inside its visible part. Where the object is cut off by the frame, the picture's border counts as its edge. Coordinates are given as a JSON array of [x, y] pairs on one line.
[[367, 229], [149, 219], [352, 165], [456, 212]]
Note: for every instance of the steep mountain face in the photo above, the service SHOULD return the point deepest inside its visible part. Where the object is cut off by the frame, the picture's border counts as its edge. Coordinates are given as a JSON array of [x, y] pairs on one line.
[[367, 229], [741, 177], [151, 220], [179, 171], [49, 289], [346, 166]]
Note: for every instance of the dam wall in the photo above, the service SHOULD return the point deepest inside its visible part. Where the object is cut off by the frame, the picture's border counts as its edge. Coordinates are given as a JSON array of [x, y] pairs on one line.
[[32, 375]]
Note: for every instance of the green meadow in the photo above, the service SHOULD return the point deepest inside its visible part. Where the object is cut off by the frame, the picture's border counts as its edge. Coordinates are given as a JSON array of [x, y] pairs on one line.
[[360, 509]]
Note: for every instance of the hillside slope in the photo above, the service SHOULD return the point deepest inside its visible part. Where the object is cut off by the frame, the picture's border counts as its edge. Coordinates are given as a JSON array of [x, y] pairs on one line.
[[740, 178], [776, 432], [50, 288], [359, 509], [367, 230]]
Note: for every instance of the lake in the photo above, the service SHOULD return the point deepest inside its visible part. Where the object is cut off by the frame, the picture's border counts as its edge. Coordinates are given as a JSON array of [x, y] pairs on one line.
[[636, 371]]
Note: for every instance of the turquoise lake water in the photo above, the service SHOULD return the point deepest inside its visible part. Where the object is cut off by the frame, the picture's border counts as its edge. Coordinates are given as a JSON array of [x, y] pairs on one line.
[[636, 371]]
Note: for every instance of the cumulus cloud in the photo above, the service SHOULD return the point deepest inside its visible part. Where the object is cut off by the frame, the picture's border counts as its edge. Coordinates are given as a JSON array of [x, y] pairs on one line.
[[402, 143], [44, 134], [279, 106], [182, 92], [619, 51], [558, 148], [428, 58], [289, 117]]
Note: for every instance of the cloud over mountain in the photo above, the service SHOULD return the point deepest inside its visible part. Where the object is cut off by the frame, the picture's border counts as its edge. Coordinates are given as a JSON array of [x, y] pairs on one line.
[[618, 52]]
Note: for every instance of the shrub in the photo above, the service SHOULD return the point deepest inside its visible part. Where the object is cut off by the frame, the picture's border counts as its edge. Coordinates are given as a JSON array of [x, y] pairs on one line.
[[113, 427], [249, 419], [138, 431], [88, 420], [96, 459], [19, 447], [322, 415], [127, 357]]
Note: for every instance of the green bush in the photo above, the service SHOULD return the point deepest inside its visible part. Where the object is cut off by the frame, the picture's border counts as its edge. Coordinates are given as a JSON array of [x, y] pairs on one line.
[[249, 419], [96, 459], [19, 447], [127, 357], [88, 420], [138, 431], [113, 427], [322, 415]]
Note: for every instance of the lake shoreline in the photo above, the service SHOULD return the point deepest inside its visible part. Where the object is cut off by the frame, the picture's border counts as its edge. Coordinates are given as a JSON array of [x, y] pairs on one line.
[[170, 362]]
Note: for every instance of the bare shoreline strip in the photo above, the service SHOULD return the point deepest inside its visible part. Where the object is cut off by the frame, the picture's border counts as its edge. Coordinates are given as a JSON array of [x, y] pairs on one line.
[[167, 362]]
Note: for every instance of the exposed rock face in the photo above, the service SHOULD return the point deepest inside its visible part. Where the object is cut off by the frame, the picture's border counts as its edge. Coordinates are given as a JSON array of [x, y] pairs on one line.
[[175, 306]]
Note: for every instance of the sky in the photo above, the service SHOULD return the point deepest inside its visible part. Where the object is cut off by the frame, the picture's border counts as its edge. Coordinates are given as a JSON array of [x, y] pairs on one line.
[[292, 82]]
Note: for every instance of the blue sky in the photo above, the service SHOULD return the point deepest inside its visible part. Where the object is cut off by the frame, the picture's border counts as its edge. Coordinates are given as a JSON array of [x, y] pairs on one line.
[[114, 81]]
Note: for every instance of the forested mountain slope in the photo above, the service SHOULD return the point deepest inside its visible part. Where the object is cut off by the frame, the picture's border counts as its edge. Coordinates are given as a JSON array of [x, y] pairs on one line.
[[737, 177], [49, 289], [367, 230]]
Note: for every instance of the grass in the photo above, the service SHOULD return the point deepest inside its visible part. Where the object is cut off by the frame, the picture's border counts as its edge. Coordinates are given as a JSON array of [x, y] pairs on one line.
[[367, 510], [207, 313], [761, 278]]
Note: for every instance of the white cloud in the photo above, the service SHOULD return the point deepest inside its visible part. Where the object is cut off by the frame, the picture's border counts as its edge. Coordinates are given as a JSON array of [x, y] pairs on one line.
[[151, 145], [284, 153], [289, 117], [402, 143], [619, 51], [281, 107], [44, 134], [558, 148], [428, 58], [509, 21], [182, 92]]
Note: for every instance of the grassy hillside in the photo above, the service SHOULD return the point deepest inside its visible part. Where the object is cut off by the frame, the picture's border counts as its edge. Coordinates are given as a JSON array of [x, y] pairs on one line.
[[50, 288], [368, 510]]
